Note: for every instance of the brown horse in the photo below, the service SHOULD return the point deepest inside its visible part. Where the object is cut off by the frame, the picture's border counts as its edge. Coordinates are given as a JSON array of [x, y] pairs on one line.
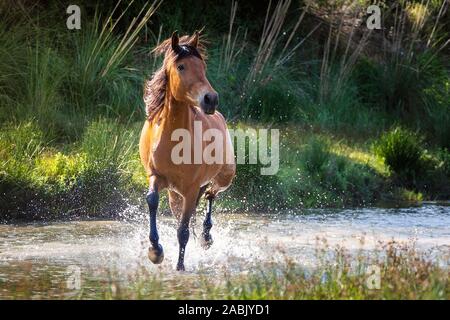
[[177, 96]]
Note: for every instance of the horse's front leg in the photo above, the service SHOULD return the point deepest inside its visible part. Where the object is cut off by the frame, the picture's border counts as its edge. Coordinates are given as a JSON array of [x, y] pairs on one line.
[[207, 240], [155, 252], [189, 207]]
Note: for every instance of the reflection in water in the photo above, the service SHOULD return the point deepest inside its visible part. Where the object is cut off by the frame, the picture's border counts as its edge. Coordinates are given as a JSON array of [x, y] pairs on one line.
[[240, 241]]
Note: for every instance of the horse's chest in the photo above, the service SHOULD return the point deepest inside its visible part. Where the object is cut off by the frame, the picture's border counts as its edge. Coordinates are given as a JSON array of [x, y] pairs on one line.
[[181, 172]]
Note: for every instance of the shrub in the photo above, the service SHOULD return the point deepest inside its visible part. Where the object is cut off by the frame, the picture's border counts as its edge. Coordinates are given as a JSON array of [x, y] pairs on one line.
[[275, 100], [315, 156], [251, 189], [402, 152], [334, 180], [109, 144], [435, 181], [59, 171]]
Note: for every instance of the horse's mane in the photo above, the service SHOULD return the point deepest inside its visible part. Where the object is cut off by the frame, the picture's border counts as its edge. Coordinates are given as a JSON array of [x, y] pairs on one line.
[[155, 88]]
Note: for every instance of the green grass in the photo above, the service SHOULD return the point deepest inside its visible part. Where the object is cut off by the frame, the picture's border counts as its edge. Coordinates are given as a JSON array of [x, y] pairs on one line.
[[410, 163], [402, 152], [102, 172], [71, 110], [405, 273], [89, 176]]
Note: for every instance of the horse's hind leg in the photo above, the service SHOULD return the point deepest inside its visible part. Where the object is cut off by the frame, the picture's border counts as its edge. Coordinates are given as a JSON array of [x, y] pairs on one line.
[[206, 239], [176, 204], [200, 193], [220, 183], [207, 225], [155, 252]]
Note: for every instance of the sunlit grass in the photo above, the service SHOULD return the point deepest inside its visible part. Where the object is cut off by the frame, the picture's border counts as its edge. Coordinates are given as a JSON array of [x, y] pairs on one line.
[[360, 155], [404, 273]]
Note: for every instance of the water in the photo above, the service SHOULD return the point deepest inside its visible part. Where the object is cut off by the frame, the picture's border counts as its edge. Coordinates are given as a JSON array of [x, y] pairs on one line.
[[241, 241]]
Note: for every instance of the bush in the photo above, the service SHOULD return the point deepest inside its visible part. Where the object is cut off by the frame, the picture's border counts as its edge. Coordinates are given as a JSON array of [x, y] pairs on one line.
[[109, 144], [275, 100], [341, 180], [402, 152], [315, 156], [58, 172], [435, 181], [91, 177]]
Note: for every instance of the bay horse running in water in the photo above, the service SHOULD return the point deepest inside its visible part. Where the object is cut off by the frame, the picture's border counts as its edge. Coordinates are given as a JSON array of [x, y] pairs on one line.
[[177, 97]]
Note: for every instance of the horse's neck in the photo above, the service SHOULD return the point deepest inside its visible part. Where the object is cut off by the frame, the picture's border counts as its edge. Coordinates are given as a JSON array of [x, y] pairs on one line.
[[178, 115]]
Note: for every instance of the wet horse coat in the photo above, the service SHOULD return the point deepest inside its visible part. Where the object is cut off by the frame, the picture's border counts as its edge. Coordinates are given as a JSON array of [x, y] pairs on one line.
[[178, 95]]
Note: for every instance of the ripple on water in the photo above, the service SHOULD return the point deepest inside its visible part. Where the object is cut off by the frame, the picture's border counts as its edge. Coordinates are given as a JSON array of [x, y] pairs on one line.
[[241, 242]]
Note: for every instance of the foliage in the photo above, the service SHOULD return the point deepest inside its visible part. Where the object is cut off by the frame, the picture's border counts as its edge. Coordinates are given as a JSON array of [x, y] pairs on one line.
[[402, 152], [71, 101]]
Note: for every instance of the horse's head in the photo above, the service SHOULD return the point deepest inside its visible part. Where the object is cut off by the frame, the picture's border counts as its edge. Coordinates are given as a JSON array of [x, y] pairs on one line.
[[185, 70]]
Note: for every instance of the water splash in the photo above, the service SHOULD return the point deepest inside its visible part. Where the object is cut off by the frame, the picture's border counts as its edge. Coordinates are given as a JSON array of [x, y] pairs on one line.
[[241, 242]]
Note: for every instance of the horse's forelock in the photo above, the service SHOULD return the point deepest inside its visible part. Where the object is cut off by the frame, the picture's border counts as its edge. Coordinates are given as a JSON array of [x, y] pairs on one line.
[[165, 48]]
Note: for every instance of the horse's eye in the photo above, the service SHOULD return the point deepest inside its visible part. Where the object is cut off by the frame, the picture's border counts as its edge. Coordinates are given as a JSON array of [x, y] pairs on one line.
[[180, 67]]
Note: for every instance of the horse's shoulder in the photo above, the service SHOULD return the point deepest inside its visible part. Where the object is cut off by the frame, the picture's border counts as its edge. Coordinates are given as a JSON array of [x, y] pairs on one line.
[[216, 120], [220, 116]]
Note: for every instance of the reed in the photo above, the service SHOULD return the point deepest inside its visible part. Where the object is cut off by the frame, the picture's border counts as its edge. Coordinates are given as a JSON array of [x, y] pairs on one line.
[[270, 35], [230, 49]]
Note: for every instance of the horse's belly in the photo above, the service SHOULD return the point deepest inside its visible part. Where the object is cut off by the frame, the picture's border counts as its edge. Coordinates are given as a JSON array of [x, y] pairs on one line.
[[184, 178]]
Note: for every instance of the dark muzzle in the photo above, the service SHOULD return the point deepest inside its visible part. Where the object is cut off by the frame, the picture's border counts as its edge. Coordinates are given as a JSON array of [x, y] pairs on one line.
[[209, 102]]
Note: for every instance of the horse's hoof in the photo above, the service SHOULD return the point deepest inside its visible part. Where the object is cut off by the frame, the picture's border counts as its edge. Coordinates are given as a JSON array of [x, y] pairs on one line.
[[156, 255], [180, 267], [206, 241]]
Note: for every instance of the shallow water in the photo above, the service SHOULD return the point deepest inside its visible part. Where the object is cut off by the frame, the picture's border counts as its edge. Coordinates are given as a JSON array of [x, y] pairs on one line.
[[241, 241]]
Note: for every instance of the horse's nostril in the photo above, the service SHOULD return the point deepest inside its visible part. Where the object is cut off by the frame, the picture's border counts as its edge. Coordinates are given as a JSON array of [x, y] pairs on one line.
[[209, 103], [211, 99], [207, 99]]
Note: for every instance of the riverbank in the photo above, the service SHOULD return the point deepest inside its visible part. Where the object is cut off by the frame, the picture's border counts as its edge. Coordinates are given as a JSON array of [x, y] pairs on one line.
[[101, 175]]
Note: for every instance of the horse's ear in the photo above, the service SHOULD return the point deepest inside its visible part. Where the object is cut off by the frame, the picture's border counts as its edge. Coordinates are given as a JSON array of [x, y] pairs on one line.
[[194, 40], [175, 41]]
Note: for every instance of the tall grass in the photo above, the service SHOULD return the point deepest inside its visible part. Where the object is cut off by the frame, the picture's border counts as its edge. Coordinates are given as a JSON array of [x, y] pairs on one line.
[[265, 63], [230, 47], [62, 80], [411, 79], [109, 144], [101, 80], [271, 31]]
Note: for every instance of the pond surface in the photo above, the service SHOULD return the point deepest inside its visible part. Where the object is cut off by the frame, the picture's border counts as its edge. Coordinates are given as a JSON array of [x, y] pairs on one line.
[[241, 241]]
